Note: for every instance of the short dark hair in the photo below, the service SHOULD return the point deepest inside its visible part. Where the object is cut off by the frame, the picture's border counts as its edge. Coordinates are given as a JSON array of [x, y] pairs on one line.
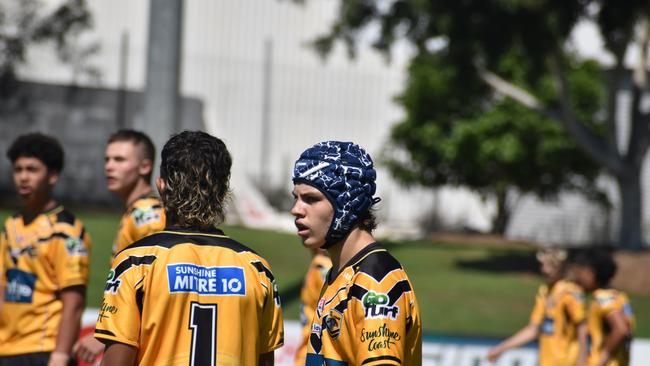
[[600, 261], [195, 167], [138, 139], [368, 221], [37, 145]]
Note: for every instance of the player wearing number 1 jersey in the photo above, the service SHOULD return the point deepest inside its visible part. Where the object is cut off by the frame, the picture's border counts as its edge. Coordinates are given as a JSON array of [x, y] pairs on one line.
[[367, 313], [190, 295]]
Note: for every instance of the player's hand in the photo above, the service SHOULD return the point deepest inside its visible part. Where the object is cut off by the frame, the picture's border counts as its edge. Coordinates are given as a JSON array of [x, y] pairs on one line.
[[494, 353], [58, 358], [88, 348]]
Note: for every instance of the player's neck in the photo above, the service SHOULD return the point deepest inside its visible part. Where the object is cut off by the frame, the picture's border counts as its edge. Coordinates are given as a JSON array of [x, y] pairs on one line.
[[343, 251], [140, 189], [37, 206]]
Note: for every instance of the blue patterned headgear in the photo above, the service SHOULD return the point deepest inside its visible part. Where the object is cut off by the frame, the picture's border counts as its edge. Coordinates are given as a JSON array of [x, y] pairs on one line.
[[344, 173]]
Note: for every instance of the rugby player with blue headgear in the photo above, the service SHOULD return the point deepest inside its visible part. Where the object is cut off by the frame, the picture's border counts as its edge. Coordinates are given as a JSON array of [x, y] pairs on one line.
[[367, 313]]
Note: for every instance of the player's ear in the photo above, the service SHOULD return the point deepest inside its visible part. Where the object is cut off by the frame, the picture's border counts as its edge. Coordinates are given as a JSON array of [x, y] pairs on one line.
[[160, 185], [146, 166], [52, 177]]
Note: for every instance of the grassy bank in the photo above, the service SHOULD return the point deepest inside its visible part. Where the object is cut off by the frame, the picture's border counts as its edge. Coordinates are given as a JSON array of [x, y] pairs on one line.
[[462, 288]]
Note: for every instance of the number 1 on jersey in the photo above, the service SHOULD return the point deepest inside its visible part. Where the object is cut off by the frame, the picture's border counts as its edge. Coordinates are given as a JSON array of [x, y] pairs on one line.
[[203, 323]]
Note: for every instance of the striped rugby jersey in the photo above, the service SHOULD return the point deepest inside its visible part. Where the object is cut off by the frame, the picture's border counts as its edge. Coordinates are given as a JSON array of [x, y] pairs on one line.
[[604, 302], [39, 259], [558, 311], [183, 296], [309, 295], [143, 217], [367, 315]]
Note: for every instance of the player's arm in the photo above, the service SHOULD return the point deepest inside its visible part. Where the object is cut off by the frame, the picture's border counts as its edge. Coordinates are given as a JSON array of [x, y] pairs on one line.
[[3, 253], [119, 354], [271, 325], [523, 336], [88, 348], [73, 307], [619, 329], [582, 332], [266, 359], [574, 306]]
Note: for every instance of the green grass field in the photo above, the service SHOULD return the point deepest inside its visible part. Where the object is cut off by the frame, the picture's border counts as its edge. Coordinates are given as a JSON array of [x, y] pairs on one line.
[[462, 289]]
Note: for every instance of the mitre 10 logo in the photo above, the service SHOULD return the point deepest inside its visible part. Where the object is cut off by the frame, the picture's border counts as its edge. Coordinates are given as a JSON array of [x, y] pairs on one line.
[[377, 305]]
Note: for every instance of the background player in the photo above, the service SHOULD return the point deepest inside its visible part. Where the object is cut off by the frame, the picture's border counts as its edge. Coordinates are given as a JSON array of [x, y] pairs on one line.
[[44, 263], [367, 312], [309, 295], [557, 320], [190, 294], [610, 318], [128, 166]]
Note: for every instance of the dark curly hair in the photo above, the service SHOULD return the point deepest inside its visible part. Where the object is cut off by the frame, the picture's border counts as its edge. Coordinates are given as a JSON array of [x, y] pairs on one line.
[[37, 145], [195, 167], [600, 261]]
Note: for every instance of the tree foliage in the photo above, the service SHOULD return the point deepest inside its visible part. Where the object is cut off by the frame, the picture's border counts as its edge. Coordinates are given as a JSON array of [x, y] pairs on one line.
[[24, 23], [496, 94]]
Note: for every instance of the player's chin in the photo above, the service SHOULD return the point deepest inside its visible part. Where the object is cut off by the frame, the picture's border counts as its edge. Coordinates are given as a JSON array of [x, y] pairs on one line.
[[312, 243]]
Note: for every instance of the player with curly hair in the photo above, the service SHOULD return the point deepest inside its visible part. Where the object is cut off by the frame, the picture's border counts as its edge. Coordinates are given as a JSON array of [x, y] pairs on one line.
[[610, 318], [190, 294], [44, 262]]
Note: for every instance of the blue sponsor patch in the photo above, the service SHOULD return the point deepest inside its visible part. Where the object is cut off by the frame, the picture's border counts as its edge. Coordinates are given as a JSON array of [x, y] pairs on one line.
[[547, 326], [627, 309], [201, 280], [20, 286]]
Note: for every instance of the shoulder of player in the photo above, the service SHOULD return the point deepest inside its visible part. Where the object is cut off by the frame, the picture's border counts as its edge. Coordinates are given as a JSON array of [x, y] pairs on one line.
[[375, 262], [168, 239], [65, 222], [145, 203], [607, 296], [568, 288]]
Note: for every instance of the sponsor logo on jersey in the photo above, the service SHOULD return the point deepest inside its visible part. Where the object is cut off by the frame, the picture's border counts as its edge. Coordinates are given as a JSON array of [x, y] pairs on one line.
[[143, 216], [333, 323], [201, 280], [112, 283], [605, 300], [381, 338], [321, 305], [627, 309], [20, 286], [106, 310], [376, 306], [547, 325], [75, 246]]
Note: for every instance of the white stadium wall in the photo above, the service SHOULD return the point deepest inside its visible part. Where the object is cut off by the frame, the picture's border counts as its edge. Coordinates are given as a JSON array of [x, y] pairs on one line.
[[309, 100]]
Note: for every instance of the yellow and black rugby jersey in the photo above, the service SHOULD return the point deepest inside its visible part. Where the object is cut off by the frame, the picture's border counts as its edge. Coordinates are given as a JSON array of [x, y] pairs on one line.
[[367, 314], [39, 259], [143, 217], [190, 297], [309, 295], [604, 302], [558, 311]]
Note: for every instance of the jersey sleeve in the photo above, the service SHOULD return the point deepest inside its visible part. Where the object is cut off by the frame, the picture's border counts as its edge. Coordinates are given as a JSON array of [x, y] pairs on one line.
[[574, 303], [271, 322], [119, 315], [70, 254], [140, 221], [4, 257], [309, 294], [382, 314], [537, 315]]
